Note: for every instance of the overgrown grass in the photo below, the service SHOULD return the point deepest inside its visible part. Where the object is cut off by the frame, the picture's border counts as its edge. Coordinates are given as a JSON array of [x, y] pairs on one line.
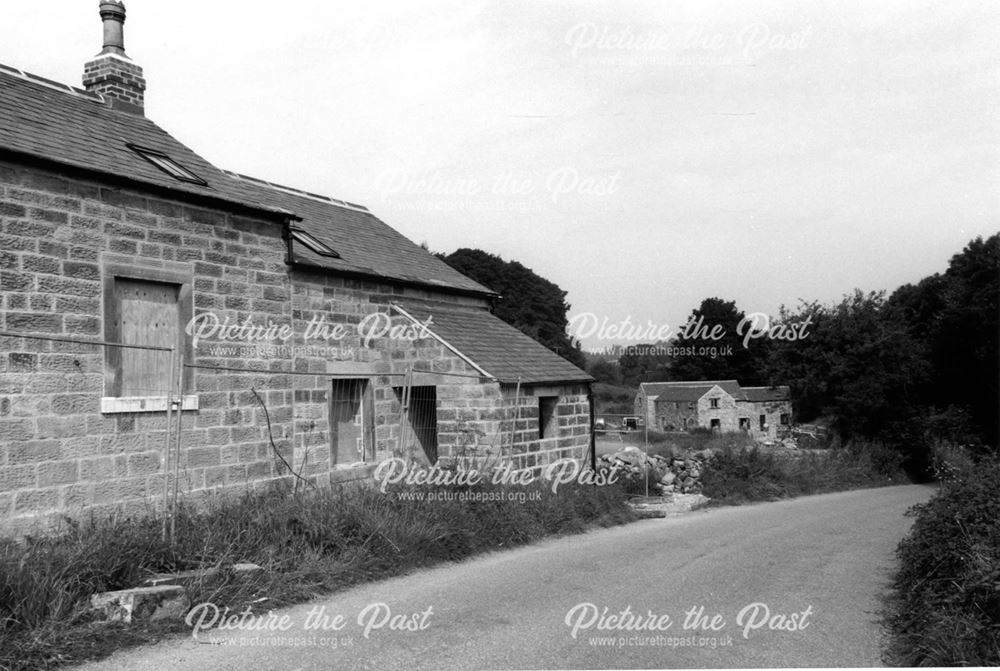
[[308, 544], [733, 477], [946, 610]]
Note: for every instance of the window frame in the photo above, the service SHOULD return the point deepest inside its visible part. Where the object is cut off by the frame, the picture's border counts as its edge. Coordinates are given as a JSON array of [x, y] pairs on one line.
[[164, 272]]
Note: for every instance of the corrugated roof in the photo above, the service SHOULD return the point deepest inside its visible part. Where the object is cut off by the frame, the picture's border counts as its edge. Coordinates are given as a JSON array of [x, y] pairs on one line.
[[690, 390], [766, 394], [73, 127], [495, 346], [365, 243]]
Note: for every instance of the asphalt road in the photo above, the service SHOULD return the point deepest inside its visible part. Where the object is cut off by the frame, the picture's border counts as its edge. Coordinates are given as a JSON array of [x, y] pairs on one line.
[[794, 583]]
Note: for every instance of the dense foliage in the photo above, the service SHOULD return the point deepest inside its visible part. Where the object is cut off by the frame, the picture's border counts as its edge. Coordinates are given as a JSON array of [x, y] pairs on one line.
[[644, 363], [948, 584], [955, 319], [530, 303], [734, 477], [914, 368]]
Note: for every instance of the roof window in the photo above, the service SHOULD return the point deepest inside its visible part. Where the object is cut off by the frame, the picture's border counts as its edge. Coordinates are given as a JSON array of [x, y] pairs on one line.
[[168, 165], [313, 243]]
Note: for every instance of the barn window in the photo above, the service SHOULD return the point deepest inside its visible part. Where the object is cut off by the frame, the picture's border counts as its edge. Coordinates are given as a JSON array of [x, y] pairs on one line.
[[547, 422], [420, 405], [352, 426], [714, 402], [146, 309]]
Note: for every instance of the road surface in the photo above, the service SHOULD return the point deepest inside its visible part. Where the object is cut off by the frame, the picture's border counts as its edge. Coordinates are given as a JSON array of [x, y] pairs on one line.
[[793, 583]]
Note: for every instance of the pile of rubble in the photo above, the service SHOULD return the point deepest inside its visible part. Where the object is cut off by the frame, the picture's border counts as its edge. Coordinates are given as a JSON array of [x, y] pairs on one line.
[[783, 444], [679, 475]]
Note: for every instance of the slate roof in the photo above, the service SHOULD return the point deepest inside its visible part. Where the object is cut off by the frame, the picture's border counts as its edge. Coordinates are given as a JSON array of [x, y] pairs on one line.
[[366, 244], [72, 127], [690, 390], [767, 394], [498, 348]]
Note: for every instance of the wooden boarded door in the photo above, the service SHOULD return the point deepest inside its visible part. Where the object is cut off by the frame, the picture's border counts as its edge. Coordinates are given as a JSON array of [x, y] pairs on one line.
[[147, 314]]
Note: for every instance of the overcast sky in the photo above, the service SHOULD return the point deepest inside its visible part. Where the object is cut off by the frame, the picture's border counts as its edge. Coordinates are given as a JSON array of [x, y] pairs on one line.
[[643, 155]]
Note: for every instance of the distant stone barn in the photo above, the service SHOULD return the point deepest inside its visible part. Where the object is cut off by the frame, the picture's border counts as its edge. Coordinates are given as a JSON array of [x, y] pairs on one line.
[[719, 405]]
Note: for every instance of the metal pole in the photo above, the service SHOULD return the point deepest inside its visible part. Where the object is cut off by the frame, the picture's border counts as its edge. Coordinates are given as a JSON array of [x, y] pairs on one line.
[[177, 452], [645, 452], [167, 443]]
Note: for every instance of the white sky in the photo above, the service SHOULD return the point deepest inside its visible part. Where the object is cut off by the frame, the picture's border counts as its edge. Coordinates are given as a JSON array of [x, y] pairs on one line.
[[642, 154]]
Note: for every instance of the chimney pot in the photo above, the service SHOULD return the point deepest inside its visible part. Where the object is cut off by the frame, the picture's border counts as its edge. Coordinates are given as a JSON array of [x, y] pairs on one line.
[[113, 15]]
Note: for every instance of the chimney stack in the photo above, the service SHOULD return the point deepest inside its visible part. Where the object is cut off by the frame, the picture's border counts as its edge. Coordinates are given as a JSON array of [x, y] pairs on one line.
[[111, 73]]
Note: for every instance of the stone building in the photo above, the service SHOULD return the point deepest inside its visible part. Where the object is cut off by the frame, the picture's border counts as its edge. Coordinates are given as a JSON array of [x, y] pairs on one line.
[[160, 315], [720, 405]]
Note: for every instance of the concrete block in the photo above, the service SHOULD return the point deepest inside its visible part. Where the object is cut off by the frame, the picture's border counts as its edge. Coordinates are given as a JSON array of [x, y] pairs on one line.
[[147, 604]]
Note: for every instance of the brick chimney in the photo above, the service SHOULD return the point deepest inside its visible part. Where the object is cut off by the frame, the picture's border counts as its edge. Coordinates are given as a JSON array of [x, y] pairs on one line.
[[111, 73]]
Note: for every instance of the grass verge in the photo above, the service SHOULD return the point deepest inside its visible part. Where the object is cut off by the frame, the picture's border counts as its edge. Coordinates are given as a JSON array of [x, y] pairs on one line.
[[309, 544]]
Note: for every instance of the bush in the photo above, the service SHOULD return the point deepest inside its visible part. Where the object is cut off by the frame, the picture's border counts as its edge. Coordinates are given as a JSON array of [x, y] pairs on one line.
[[733, 476], [948, 584]]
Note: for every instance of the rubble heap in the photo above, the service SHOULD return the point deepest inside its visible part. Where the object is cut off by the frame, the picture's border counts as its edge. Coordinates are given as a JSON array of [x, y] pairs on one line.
[[677, 475]]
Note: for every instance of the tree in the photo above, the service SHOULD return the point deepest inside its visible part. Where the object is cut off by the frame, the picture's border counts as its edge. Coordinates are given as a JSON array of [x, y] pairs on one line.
[[605, 371], [528, 302], [954, 316], [644, 363], [859, 366], [725, 357]]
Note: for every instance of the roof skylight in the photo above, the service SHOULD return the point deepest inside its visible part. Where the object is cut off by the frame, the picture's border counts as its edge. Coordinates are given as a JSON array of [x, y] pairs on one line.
[[313, 243], [168, 165]]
